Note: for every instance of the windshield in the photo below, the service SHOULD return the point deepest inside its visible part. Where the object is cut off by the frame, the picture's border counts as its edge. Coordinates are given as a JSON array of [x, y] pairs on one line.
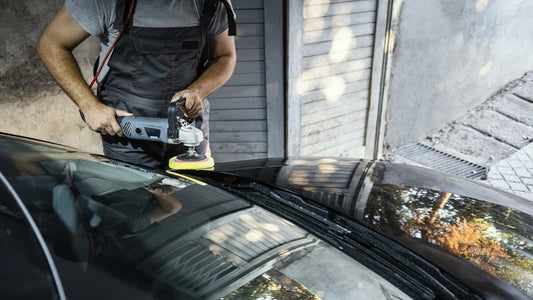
[[119, 231]]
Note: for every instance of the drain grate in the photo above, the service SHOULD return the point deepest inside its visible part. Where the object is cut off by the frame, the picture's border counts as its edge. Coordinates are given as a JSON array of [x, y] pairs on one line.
[[441, 161]]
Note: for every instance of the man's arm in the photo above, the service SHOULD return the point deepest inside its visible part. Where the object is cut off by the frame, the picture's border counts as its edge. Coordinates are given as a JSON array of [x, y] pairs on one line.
[[59, 38], [167, 204], [222, 59]]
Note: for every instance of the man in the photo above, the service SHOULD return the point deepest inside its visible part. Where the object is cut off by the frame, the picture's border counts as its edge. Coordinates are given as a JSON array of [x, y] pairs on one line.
[[167, 49]]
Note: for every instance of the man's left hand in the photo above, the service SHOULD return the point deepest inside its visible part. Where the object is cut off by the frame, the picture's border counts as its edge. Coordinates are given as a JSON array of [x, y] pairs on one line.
[[193, 103]]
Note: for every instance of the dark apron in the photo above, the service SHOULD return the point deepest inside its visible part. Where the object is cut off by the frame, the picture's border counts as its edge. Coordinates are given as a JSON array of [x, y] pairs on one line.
[[147, 67]]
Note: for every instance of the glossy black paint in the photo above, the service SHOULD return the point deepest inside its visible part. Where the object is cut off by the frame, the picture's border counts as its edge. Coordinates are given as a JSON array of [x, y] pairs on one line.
[[387, 214], [23, 261], [352, 178], [480, 235]]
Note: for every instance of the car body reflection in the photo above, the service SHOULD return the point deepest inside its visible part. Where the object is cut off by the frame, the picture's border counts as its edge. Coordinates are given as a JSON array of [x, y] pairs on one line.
[[480, 235], [492, 237], [115, 230]]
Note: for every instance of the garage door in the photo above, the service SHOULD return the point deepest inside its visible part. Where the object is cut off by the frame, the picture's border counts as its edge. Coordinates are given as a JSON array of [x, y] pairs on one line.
[[246, 120], [333, 78]]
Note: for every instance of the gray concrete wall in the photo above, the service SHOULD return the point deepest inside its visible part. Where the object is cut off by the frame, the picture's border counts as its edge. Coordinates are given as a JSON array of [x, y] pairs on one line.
[[450, 56], [31, 103]]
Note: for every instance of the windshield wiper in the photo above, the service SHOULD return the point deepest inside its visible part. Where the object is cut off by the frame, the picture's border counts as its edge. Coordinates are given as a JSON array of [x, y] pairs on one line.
[[419, 278]]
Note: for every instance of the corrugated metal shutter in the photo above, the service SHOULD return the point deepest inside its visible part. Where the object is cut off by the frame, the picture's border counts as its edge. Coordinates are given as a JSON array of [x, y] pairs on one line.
[[238, 109], [338, 40]]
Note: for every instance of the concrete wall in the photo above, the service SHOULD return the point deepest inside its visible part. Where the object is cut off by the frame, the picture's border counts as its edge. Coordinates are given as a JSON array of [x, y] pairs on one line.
[[450, 56], [31, 103]]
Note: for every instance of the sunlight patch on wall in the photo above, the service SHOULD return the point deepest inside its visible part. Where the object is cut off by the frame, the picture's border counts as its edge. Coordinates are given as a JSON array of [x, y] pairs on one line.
[[481, 5], [329, 74], [315, 9], [313, 36], [342, 43], [485, 69], [333, 88], [390, 38], [302, 86], [315, 24]]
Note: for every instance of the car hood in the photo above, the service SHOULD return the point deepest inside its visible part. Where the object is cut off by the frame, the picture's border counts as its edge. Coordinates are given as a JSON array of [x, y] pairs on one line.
[[477, 234], [348, 181], [481, 235]]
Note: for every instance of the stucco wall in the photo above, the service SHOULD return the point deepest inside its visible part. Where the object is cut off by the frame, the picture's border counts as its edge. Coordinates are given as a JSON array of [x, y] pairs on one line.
[[31, 103], [450, 56]]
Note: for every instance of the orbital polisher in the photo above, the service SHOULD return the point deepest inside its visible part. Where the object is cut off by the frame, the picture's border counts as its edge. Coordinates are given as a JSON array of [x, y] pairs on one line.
[[174, 130]]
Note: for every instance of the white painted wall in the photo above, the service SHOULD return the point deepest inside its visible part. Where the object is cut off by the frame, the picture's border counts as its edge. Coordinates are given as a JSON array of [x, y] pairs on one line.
[[449, 57]]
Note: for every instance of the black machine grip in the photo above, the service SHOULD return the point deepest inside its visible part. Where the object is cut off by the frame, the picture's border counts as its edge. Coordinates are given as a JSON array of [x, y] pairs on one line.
[[175, 110]]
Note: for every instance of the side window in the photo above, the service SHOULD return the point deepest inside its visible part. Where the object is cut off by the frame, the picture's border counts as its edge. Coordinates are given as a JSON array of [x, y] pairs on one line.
[[25, 273]]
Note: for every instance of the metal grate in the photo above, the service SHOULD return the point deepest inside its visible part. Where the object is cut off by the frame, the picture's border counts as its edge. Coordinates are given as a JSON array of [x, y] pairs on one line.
[[441, 161]]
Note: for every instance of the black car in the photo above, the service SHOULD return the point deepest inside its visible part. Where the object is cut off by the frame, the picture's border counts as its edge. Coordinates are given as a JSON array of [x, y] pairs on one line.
[[80, 226]]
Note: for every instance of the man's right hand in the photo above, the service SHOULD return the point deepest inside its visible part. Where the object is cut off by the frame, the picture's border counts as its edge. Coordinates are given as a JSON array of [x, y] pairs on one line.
[[60, 37], [103, 119]]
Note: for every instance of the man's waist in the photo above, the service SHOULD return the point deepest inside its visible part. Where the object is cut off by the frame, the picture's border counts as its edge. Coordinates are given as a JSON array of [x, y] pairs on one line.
[[155, 99]]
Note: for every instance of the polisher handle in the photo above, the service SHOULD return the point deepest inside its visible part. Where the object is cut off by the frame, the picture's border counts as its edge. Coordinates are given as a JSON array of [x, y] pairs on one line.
[[144, 128]]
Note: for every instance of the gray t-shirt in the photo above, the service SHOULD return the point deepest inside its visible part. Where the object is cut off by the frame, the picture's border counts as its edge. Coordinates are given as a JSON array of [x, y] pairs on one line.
[[97, 17]]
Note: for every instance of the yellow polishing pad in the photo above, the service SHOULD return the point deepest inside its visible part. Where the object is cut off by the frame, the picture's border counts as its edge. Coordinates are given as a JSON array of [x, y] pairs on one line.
[[205, 164]]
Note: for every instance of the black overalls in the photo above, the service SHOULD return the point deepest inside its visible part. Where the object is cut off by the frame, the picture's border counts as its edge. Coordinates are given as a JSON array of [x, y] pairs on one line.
[[147, 67]]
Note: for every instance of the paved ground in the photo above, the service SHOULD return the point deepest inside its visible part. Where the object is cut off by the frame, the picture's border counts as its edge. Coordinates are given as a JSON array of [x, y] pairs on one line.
[[497, 135], [514, 173]]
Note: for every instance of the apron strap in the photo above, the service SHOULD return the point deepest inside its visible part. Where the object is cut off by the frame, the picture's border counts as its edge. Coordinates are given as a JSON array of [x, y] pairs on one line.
[[210, 7], [121, 13], [232, 25]]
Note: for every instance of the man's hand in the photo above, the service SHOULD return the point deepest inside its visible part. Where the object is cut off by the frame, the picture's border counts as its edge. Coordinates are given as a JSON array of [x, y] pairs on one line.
[[60, 37], [167, 204], [103, 119], [160, 190], [193, 103], [222, 59]]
